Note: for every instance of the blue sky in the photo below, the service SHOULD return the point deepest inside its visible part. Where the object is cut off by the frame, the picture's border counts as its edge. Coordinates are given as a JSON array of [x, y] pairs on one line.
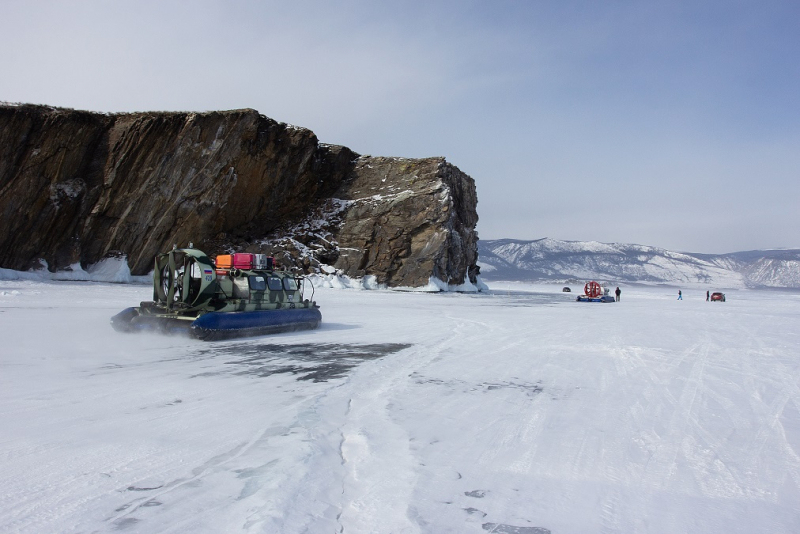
[[673, 124]]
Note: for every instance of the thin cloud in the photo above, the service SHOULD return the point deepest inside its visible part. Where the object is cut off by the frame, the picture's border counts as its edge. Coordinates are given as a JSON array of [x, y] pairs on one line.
[[665, 124]]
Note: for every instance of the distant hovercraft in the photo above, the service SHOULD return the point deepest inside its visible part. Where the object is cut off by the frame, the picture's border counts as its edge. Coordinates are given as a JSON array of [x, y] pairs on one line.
[[236, 295], [594, 292]]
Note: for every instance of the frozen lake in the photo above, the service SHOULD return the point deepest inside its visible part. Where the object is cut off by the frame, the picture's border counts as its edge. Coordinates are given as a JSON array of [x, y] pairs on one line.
[[517, 411]]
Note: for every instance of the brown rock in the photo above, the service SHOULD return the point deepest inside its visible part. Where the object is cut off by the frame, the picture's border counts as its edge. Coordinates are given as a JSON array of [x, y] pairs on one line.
[[409, 220], [80, 186]]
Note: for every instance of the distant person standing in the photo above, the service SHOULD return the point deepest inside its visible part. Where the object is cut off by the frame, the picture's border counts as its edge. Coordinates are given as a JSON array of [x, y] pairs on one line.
[[680, 295], [618, 292], [708, 295]]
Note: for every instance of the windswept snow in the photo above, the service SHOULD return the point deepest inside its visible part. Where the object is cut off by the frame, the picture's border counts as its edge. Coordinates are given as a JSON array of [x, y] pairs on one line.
[[517, 410]]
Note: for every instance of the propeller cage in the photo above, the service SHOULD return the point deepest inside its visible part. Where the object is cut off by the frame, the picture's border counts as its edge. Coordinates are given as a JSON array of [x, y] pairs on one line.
[[183, 279]]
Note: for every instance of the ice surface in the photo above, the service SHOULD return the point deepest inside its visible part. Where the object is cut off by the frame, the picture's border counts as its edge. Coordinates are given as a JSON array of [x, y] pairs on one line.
[[514, 411]]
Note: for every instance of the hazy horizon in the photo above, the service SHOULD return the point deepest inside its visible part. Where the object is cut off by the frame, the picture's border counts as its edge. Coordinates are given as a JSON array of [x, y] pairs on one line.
[[639, 244]]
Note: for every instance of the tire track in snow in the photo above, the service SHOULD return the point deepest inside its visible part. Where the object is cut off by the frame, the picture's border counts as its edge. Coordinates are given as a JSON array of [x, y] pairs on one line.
[[663, 464], [723, 451], [198, 473], [223, 462], [375, 453], [524, 426], [381, 467], [771, 432], [40, 506]]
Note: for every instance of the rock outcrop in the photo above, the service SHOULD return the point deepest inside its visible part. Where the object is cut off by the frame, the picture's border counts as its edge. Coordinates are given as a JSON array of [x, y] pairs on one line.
[[77, 186]]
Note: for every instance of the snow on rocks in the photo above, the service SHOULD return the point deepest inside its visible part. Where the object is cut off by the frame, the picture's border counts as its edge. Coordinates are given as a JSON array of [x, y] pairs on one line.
[[113, 270]]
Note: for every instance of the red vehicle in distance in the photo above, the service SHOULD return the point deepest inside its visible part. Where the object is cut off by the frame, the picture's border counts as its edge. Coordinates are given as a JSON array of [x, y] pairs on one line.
[[718, 296]]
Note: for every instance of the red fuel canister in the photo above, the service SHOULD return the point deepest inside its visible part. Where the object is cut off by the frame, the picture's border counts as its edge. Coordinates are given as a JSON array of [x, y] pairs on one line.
[[243, 260]]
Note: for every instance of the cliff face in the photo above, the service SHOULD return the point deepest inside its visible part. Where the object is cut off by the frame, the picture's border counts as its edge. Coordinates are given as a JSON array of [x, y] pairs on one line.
[[409, 219], [78, 186]]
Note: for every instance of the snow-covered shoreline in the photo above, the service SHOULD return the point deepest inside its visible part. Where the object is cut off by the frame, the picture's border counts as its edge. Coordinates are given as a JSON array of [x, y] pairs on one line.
[[117, 271], [110, 270]]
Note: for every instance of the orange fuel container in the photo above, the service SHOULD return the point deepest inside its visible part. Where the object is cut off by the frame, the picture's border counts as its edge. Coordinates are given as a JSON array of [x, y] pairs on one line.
[[223, 263]]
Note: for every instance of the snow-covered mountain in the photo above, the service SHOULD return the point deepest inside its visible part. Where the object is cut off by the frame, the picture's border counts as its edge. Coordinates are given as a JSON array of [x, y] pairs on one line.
[[552, 259]]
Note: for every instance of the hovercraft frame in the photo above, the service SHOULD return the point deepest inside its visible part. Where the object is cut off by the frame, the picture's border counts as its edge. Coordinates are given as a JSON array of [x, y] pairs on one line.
[[239, 295], [594, 292]]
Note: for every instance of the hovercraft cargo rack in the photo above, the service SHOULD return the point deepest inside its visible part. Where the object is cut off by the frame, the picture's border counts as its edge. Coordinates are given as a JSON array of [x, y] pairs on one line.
[[236, 295]]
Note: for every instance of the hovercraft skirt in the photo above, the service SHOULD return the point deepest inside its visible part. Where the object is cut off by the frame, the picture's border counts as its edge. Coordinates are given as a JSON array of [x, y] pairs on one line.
[[218, 325], [604, 298]]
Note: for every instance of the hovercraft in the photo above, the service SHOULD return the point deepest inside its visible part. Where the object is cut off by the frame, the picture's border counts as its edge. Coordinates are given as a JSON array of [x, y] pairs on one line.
[[236, 295], [594, 292]]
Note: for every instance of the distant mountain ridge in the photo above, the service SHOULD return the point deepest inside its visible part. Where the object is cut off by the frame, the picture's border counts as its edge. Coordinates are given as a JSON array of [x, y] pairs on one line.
[[555, 260]]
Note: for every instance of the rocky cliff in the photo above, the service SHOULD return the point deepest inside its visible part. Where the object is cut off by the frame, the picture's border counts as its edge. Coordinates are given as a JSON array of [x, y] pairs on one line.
[[77, 186]]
